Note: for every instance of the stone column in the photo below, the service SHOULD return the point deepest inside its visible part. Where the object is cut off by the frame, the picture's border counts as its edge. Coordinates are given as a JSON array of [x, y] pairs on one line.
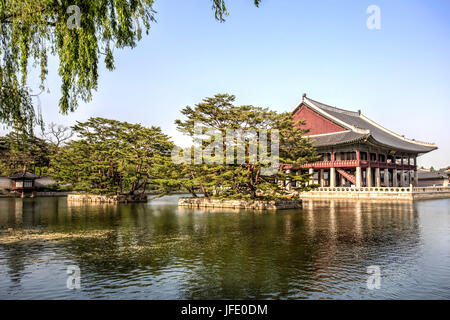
[[386, 177], [402, 178], [322, 178], [343, 182], [369, 177], [416, 177], [332, 177], [358, 177], [311, 179], [394, 178], [377, 177], [409, 171]]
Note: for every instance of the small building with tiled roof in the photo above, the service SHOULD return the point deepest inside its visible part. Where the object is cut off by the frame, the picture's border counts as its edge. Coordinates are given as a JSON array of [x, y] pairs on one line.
[[23, 182], [433, 178], [356, 150]]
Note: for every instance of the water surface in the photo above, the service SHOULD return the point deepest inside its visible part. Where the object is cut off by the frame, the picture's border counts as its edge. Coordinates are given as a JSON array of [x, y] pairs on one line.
[[159, 251]]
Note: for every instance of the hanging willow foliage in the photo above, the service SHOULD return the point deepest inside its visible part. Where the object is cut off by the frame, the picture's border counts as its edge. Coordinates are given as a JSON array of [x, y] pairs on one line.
[[30, 30]]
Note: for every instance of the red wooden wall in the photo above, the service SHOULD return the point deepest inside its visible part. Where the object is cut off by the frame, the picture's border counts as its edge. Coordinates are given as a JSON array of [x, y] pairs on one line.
[[315, 122]]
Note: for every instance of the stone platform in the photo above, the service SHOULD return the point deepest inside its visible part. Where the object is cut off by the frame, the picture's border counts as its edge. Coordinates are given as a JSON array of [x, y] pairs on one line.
[[239, 204], [106, 199]]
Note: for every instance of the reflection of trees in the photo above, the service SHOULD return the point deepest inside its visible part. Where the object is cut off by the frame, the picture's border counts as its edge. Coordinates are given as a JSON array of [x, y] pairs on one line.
[[226, 254]]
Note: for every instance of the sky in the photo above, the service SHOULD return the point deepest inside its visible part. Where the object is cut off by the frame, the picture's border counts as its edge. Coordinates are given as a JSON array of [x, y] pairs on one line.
[[269, 56]]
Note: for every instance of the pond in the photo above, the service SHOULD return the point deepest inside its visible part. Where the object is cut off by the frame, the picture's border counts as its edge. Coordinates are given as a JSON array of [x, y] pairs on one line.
[[156, 250]]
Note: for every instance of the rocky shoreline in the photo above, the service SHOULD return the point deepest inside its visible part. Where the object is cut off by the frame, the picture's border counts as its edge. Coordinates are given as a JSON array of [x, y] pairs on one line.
[[106, 199], [240, 204]]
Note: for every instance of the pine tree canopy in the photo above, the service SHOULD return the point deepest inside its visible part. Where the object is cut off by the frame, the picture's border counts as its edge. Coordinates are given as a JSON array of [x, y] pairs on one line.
[[245, 179]]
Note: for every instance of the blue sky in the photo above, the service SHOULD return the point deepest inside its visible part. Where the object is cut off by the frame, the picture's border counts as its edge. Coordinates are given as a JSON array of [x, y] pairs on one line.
[[399, 76]]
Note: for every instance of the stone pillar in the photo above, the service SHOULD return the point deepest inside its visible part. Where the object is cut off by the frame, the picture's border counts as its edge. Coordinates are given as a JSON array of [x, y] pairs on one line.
[[402, 173], [416, 177], [394, 178], [343, 182], [369, 177], [377, 177], [358, 177], [402, 178], [311, 179], [386, 177], [332, 177], [322, 178]]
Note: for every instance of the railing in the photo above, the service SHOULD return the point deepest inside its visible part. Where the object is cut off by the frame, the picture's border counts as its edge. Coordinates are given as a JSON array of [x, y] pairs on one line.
[[353, 164], [364, 189], [384, 189], [336, 163], [431, 189]]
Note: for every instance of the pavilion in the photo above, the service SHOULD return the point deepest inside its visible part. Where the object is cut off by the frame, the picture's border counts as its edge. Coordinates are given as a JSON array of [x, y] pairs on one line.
[[355, 150]]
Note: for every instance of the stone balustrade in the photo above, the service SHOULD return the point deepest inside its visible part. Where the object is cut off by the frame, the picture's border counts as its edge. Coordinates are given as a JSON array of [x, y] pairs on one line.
[[386, 193]]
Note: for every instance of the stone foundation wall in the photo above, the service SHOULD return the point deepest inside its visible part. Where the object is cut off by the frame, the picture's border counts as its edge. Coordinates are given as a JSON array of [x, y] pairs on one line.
[[106, 199], [239, 204], [35, 194], [381, 193], [423, 193]]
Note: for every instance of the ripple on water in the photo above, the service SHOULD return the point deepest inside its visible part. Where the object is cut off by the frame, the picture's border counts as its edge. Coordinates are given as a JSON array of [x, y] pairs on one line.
[[155, 251]]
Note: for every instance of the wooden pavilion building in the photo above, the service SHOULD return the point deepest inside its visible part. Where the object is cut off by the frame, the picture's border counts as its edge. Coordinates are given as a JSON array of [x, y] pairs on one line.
[[24, 183], [357, 151]]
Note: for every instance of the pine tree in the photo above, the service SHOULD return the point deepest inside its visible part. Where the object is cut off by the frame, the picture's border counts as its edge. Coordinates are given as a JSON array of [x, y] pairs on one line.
[[244, 180], [113, 157]]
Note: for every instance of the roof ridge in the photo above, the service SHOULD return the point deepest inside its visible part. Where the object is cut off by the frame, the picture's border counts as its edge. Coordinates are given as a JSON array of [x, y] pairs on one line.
[[332, 108], [325, 109], [330, 133]]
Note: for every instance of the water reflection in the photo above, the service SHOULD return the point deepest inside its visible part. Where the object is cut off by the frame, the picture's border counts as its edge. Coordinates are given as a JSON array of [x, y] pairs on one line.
[[156, 250]]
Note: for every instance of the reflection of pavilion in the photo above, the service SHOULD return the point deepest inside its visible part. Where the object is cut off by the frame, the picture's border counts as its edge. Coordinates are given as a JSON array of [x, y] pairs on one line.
[[11, 212], [22, 213], [372, 229], [357, 217]]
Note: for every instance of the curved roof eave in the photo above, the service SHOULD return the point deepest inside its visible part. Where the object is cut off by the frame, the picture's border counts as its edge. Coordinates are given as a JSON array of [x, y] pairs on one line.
[[339, 116], [423, 151]]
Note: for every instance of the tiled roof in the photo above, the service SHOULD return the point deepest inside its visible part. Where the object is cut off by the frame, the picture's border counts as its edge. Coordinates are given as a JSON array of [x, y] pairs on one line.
[[341, 137], [432, 174], [24, 175], [360, 127]]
